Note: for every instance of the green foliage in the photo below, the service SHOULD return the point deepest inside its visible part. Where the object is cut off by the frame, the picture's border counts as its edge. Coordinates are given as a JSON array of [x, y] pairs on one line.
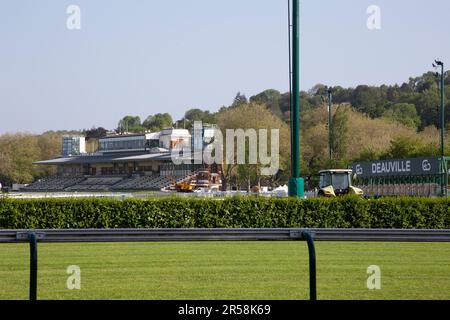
[[95, 133], [158, 122], [411, 106], [404, 147], [238, 212], [251, 116], [425, 82], [19, 151], [239, 100], [367, 154], [200, 115], [192, 115], [340, 131], [427, 105], [401, 147], [270, 98], [130, 124], [405, 113], [368, 100], [420, 94]]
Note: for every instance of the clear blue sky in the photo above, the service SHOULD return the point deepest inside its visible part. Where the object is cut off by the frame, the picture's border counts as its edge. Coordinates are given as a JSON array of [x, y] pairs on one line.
[[143, 57]]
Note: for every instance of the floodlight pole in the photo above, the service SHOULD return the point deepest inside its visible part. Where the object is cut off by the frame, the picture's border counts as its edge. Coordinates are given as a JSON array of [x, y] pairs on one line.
[[445, 182], [442, 85], [296, 183], [444, 179], [330, 103]]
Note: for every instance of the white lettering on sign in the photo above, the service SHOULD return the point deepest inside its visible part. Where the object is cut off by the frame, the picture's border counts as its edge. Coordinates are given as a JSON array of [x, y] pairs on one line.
[[391, 167]]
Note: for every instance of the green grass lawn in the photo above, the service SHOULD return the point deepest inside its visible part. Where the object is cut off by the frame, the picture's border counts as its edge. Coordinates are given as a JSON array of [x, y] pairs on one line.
[[228, 270]]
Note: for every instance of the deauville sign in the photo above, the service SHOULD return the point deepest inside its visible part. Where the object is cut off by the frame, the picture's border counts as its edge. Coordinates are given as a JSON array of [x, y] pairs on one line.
[[413, 166]]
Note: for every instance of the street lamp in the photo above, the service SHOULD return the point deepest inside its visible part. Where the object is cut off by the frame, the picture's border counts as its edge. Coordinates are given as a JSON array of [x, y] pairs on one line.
[[330, 103], [436, 65], [442, 113]]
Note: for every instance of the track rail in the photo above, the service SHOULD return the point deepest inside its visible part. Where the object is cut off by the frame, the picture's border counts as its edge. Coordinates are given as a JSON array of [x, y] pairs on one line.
[[148, 235]]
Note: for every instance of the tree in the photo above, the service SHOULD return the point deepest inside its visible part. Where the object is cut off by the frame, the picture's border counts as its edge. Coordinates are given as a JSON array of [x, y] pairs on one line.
[[49, 146], [196, 115], [393, 94], [427, 105], [158, 122], [95, 133], [252, 116], [401, 147], [270, 98], [367, 154], [341, 95], [428, 81], [318, 89], [19, 152], [404, 113], [239, 100], [314, 144], [130, 124], [340, 132], [285, 105], [368, 100]]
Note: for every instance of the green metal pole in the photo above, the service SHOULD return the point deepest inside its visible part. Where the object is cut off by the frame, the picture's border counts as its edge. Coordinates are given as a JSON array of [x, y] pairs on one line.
[[442, 111], [296, 183], [444, 173], [33, 266], [330, 102], [312, 265]]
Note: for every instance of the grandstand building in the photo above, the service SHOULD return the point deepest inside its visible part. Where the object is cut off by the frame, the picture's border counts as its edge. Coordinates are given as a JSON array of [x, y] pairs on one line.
[[125, 162]]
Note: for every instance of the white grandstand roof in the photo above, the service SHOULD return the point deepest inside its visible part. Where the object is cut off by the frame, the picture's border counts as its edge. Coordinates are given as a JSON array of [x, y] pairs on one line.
[[153, 135], [175, 132], [162, 156]]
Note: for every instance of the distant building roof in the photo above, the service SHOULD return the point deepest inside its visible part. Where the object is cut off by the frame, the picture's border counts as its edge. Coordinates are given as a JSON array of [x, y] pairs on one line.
[[85, 159], [153, 135], [118, 136], [175, 132]]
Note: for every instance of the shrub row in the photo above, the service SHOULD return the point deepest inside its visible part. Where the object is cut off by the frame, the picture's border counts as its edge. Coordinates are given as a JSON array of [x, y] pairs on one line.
[[238, 212]]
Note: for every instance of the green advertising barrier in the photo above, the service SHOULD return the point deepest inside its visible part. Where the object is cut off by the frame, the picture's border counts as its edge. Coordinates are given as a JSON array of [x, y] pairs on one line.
[[410, 171]]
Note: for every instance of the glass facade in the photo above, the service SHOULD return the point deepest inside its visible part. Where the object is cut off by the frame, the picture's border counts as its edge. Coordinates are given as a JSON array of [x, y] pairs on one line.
[[73, 146], [122, 143]]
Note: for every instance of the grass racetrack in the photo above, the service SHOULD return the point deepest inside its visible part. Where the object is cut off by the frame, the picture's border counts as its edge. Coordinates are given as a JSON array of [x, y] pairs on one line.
[[228, 270]]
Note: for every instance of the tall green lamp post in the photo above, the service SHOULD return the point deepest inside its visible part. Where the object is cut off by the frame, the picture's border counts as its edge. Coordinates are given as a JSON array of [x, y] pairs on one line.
[[296, 183], [442, 116], [330, 104]]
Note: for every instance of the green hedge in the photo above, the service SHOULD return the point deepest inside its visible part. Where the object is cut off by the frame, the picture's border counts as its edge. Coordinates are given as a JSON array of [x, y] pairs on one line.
[[241, 212]]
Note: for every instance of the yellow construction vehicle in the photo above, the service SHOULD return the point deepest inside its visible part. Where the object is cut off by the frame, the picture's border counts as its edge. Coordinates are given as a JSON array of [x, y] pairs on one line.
[[337, 182], [202, 180], [184, 186]]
